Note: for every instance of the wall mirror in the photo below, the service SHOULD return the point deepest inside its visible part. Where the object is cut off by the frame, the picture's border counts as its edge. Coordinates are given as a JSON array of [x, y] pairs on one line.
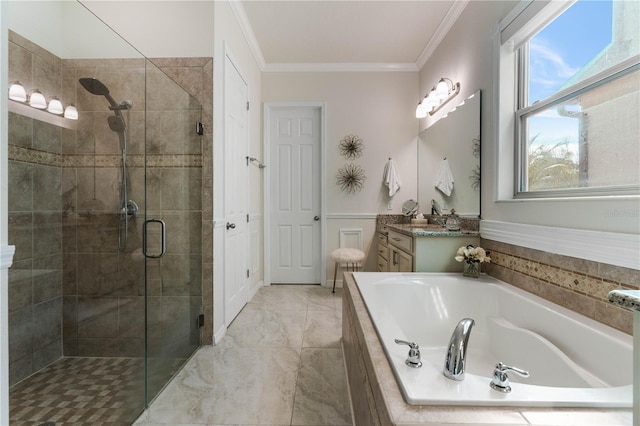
[[456, 138]]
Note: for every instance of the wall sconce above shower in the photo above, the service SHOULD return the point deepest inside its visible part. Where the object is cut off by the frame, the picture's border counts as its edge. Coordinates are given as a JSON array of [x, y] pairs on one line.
[[17, 92], [439, 95], [34, 104], [37, 99], [55, 106], [71, 112]]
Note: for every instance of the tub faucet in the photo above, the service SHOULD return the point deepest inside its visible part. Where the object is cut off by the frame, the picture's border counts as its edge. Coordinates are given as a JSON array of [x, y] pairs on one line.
[[454, 362]]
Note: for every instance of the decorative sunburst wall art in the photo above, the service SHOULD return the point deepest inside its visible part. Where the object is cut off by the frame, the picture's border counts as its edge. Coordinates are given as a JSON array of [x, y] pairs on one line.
[[351, 178], [351, 147]]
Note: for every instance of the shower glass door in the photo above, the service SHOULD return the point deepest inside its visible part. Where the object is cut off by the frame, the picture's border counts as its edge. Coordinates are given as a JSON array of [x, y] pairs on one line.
[[173, 227], [94, 311]]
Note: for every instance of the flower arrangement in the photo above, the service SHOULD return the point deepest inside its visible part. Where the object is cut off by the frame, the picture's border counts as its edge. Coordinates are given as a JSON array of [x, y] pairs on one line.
[[473, 257], [471, 254]]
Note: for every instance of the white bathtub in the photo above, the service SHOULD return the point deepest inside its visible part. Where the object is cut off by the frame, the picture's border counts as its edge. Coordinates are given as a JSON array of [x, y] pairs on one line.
[[573, 360]]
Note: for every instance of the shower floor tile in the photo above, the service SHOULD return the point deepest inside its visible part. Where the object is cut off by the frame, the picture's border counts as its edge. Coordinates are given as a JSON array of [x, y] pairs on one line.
[[82, 391]]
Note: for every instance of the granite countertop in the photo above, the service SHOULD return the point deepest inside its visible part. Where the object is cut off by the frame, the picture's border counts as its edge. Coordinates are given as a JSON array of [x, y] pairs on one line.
[[627, 298], [430, 230]]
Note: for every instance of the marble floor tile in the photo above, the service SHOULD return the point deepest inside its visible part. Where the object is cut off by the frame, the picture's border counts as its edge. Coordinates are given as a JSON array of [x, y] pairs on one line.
[[282, 297], [321, 298], [231, 386], [321, 391], [323, 329], [280, 363], [267, 328]]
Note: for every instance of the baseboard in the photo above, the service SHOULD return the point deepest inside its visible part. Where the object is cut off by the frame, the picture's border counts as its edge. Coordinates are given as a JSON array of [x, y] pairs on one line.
[[218, 335], [253, 290]]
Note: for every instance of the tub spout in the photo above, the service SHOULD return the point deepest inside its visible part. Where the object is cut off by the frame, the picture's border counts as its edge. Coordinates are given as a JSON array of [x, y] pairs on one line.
[[454, 362]]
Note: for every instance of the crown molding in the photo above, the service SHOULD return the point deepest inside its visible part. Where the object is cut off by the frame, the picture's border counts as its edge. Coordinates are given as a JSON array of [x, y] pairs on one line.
[[243, 21], [450, 18], [342, 67], [247, 30]]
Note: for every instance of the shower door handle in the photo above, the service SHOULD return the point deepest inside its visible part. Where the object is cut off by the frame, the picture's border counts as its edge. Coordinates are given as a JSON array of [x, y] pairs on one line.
[[163, 235]]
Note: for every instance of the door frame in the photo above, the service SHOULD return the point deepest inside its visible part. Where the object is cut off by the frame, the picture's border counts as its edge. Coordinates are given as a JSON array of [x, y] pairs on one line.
[[229, 55], [268, 107]]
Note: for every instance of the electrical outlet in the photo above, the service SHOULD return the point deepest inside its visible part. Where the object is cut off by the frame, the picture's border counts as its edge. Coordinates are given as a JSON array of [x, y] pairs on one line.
[[390, 205]]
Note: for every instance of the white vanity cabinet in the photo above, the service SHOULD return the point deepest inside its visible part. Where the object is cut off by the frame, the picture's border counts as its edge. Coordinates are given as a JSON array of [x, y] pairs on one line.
[[426, 251], [400, 252]]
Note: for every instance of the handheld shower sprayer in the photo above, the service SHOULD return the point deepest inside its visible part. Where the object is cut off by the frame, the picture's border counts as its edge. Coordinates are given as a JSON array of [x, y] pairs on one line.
[[117, 124]]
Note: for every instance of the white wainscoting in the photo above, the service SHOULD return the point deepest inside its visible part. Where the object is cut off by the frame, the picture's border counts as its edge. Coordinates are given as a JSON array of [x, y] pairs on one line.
[[351, 238]]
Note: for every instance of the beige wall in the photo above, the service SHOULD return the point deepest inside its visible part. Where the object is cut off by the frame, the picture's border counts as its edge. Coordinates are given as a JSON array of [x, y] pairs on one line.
[[379, 107], [466, 55]]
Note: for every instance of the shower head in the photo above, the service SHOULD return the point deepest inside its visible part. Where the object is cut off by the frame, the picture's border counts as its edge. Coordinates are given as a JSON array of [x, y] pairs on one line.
[[96, 87]]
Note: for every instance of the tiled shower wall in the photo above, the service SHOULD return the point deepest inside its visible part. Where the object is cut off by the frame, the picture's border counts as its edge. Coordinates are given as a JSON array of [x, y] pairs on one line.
[[35, 220], [577, 284], [195, 75], [104, 303], [64, 186]]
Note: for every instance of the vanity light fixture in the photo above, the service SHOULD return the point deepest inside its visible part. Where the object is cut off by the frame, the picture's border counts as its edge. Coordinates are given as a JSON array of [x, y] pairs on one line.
[[55, 106], [71, 112], [37, 99], [17, 92], [439, 95]]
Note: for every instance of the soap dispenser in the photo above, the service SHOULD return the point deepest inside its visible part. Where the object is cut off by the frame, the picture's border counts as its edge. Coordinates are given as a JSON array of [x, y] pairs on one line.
[[452, 223]]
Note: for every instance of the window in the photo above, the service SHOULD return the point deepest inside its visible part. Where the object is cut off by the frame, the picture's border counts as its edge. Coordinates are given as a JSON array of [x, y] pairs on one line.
[[577, 100]]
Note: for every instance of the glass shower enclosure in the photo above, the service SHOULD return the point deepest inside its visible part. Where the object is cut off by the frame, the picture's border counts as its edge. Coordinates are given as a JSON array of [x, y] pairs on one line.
[[105, 211]]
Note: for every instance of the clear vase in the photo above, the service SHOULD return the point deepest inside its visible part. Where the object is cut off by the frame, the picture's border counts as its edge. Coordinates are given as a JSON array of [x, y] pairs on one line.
[[471, 269]]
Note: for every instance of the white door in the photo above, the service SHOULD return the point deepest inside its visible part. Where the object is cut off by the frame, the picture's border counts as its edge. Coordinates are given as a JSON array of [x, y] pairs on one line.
[[236, 288], [294, 194]]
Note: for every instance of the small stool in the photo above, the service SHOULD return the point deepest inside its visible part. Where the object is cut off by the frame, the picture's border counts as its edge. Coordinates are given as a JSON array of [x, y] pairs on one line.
[[350, 256]]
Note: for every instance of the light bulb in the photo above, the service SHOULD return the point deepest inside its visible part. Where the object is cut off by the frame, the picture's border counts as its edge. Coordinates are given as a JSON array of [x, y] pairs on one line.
[[17, 92], [442, 89], [71, 112], [55, 106], [37, 100]]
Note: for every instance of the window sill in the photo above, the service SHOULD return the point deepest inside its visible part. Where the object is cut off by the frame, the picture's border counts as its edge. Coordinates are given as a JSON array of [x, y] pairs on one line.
[[606, 247]]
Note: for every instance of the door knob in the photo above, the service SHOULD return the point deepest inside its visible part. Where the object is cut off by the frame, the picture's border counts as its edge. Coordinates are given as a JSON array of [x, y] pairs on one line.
[[316, 218], [231, 225]]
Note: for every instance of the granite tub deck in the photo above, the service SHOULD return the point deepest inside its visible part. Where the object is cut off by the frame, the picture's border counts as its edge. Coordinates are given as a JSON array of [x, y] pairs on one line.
[[377, 400]]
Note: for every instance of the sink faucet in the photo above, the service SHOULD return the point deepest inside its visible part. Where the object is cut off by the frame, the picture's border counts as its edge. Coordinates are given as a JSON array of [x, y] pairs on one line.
[[454, 362]]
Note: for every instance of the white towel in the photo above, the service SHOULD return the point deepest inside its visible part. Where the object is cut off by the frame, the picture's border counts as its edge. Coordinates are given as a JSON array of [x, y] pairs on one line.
[[391, 178], [444, 180]]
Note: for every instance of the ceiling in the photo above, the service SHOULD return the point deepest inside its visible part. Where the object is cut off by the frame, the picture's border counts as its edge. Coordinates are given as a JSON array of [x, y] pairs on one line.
[[345, 35]]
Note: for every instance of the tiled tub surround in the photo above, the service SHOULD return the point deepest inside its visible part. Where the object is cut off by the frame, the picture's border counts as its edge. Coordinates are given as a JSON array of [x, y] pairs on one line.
[[577, 284], [68, 279], [376, 398]]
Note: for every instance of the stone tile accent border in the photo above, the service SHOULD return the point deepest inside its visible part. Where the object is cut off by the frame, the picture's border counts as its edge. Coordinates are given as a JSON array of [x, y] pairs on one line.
[[577, 284], [33, 156]]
